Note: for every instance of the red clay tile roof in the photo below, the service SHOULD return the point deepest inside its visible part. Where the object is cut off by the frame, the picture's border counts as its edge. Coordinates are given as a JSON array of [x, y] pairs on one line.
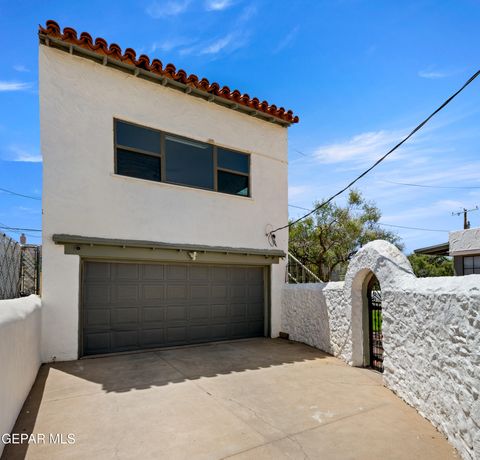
[[169, 72]]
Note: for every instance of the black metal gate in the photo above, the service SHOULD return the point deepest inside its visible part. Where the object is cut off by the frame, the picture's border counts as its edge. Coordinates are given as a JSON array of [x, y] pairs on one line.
[[374, 295]]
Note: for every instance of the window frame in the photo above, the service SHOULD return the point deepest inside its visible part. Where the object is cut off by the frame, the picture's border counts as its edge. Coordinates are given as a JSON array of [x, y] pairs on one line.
[[162, 155], [474, 267]]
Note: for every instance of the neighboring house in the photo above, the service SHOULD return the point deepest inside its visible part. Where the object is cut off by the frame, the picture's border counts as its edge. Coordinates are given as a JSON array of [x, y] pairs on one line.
[[158, 191], [463, 246]]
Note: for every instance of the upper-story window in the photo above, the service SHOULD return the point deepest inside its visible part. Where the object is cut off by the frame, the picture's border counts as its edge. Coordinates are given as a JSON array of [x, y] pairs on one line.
[[471, 265], [149, 154]]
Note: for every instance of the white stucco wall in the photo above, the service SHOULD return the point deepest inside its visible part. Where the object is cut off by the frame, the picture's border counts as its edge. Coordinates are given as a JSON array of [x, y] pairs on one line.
[[431, 329], [464, 242], [19, 356], [81, 195]]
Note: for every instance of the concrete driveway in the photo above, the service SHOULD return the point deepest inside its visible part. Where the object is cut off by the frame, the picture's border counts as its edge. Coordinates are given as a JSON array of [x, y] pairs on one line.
[[251, 399]]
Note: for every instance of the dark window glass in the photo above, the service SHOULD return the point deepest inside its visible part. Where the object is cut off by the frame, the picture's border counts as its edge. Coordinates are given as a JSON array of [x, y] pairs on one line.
[[232, 160], [136, 137], [232, 183], [468, 262], [188, 162], [138, 165], [468, 271]]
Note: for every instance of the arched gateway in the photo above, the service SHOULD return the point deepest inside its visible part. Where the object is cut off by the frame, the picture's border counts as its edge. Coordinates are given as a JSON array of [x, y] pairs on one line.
[[378, 267]]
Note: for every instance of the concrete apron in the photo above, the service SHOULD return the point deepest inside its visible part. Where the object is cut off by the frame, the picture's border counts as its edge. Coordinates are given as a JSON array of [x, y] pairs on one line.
[[252, 399]]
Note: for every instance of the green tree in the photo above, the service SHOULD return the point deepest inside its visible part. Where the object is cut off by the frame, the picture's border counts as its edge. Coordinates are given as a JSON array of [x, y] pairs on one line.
[[426, 266], [325, 241]]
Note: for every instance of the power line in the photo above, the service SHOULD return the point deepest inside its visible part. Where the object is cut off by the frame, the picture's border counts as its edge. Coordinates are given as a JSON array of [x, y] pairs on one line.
[[298, 207], [430, 186], [270, 235], [300, 152], [20, 194], [18, 229], [18, 232], [414, 228], [389, 225]]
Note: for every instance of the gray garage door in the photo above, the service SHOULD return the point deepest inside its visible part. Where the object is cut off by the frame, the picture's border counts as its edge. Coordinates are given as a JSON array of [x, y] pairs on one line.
[[131, 306]]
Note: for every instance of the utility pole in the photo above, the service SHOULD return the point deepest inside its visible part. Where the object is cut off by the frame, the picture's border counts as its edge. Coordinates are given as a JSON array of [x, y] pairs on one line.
[[465, 211]]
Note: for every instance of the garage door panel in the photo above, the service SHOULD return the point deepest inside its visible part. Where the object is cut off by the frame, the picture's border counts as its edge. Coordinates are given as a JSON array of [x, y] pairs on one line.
[[199, 293], [97, 342], [127, 272], [240, 330], [129, 306], [125, 316], [255, 292], [239, 291], [255, 311], [154, 314], [238, 275], [125, 340], [176, 335], [153, 293], [98, 317], [255, 328], [200, 333], [219, 312], [176, 313], [125, 293], [199, 312], [176, 292], [152, 337], [98, 272], [220, 331], [255, 275], [97, 294], [219, 291], [153, 272], [199, 273], [176, 272], [238, 311]]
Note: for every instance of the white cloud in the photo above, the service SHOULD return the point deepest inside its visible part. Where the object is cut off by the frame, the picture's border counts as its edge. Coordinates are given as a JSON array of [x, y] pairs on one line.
[[170, 44], [221, 45], [14, 86], [21, 154], [247, 13], [218, 45], [417, 215], [218, 5], [431, 74], [297, 191], [21, 68], [287, 40], [359, 147], [158, 9], [27, 210], [238, 37]]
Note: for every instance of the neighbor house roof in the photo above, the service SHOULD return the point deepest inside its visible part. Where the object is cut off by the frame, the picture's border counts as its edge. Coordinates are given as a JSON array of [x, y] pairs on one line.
[[167, 75], [436, 250]]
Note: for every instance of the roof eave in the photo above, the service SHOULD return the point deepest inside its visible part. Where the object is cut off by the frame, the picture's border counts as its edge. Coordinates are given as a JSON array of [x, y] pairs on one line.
[[435, 250], [163, 80]]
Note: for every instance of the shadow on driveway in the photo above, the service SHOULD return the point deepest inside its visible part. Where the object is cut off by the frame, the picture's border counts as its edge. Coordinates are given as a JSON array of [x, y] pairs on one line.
[[250, 399]]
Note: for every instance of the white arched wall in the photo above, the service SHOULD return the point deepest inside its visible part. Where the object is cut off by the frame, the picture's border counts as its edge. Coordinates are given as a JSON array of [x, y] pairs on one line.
[[431, 334], [392, 269]]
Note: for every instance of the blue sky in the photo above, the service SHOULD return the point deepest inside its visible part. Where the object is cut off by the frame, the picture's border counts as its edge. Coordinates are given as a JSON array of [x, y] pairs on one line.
[[359, 73]]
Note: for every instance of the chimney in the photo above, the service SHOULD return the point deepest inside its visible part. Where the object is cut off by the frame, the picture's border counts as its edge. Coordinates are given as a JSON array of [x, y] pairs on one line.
[[23, 239]]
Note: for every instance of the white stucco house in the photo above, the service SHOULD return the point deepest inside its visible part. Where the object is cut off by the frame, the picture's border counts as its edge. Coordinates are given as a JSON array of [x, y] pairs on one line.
[[463, 246], [158, 191]]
